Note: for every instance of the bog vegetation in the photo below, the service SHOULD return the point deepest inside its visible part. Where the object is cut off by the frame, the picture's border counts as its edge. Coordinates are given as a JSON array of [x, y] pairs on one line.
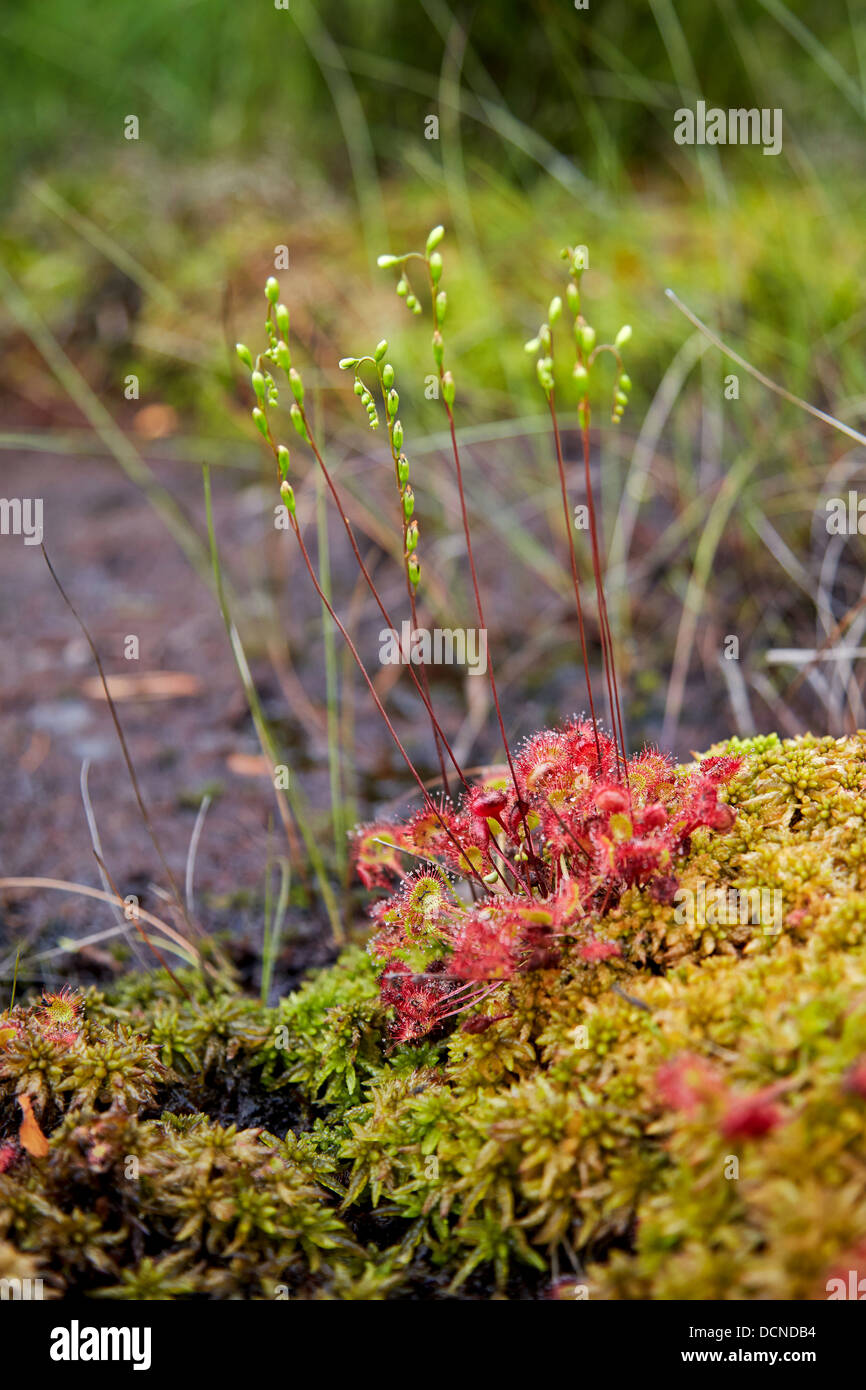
[[534, 1078]]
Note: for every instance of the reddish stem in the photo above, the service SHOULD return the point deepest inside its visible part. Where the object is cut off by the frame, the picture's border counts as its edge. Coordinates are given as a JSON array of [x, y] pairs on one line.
[[437, 728], [574, 576], [604, 625], [533, 857], [380, 707]]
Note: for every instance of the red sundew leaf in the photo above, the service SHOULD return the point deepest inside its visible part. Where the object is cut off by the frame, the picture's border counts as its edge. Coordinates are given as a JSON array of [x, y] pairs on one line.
[[751, 1117], [377, 854], [612, 800]]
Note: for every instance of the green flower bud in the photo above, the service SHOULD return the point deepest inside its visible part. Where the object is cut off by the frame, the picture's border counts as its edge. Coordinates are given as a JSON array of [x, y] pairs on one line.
[[434, 239], [387, 260], [544, 369], [402, 287], [441, 306], [244, 354], [411, 302], [402, 470], [622, 336], [572, 294], [532, 346], [393, 403], [587, 338], [578, 261], [358, 388], [621, 398], [272, 289], [261, 422], [625, 382], [411, 537], [580, 374], [448, 389], [282, 317], [298, 422], [258, 383], [408, 502], [555, 310], [381, 349], [297, 386], [346, 362], [414, 570], [397, 435], [288, 497], [283, 460], [366, 398], [435, 267], [438, 348], [388, 375], [284, 357]]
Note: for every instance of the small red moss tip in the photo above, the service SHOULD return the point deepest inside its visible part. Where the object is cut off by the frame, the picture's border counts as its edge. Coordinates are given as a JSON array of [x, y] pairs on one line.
[[687, 1082], [8, 1154], [854, 1080], [599, 950]]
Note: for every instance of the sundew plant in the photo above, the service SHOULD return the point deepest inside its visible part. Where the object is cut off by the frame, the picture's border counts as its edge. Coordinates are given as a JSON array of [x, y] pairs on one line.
[[512, 872]]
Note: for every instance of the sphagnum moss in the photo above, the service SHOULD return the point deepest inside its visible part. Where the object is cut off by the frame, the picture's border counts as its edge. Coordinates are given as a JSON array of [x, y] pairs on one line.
[[685, 1120]]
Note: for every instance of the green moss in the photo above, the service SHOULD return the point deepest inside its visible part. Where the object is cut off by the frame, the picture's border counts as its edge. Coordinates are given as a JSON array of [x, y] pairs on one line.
[[540, 1149]]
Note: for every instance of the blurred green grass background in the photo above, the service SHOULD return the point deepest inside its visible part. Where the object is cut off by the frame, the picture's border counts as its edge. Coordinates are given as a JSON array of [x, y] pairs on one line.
[[306, 126]]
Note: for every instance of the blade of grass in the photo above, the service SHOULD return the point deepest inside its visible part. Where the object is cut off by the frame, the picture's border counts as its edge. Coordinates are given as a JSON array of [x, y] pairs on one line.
[[720, 510], [101, 242], [289, 802], [274, 929], [194, 838], [329, 639], [15, 978], [182, 947], [127, 756], [359, 145], [829, 65], [759, 376]]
